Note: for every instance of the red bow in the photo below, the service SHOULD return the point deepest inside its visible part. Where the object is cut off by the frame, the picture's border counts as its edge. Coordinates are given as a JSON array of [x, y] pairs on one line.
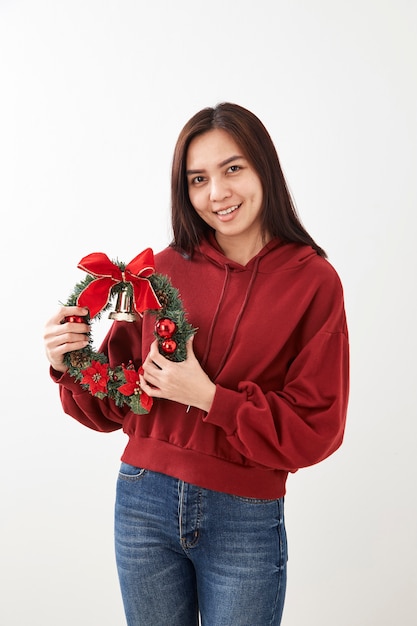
[[97, 293]]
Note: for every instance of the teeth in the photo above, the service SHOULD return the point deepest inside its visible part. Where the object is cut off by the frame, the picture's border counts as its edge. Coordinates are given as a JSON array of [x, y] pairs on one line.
[[227, 211]]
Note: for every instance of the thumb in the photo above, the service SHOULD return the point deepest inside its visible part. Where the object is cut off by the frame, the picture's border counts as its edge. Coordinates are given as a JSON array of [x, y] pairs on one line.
[[189, 346]]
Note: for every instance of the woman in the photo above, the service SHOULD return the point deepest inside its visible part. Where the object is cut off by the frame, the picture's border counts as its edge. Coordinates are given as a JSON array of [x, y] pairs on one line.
[[199, 522]]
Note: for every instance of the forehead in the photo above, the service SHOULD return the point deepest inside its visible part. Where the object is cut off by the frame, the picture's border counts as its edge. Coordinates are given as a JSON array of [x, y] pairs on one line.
[[211, 148]]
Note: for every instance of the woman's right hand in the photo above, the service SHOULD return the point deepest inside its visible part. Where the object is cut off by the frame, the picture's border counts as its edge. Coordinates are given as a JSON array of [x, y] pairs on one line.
[[63, 336]]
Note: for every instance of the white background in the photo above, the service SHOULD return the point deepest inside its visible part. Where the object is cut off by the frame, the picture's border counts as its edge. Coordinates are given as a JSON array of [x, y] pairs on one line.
[[93, 96]]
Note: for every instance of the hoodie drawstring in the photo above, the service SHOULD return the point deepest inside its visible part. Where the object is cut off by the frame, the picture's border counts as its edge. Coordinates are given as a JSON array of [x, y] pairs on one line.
[[215, 316], [238, 318]]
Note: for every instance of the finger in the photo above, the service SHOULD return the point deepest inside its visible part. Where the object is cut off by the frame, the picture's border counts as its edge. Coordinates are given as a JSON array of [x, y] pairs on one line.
[[154, 356], [74, 323], [67, 343], [70, 311], [147, 387], [75, 315], [77, 328], [150, 366], [189, 346]]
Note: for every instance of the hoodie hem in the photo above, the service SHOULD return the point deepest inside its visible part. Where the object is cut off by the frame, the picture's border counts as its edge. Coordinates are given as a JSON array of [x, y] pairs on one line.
[[205, 471]]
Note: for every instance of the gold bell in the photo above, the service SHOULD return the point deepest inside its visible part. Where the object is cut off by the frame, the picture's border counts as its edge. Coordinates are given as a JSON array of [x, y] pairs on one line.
[[124, 311]]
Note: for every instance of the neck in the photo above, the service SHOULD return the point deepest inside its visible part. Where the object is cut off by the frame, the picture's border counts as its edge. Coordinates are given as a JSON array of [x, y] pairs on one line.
[[240, 250]]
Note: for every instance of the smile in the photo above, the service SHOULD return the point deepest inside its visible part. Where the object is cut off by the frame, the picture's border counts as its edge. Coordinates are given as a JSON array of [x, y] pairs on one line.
[[228, 211]]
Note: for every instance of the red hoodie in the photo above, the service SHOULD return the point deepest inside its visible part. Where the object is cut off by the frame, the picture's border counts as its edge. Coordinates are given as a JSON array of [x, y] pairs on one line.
[[272, 336]]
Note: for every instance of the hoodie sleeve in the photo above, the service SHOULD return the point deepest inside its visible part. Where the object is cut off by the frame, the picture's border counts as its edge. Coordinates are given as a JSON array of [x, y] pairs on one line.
[[123, 342], [303, 422]]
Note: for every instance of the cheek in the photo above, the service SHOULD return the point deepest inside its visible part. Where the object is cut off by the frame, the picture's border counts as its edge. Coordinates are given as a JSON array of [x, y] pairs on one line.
[[256, 196], [195, 199]]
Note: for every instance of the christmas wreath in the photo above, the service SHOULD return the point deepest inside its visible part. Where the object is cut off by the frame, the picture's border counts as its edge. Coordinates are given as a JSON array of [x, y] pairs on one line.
[[144, 290]]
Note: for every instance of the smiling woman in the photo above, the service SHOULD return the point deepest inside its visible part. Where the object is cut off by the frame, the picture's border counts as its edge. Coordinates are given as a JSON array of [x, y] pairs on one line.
[[263, 390], [226, 192], [248, 145]]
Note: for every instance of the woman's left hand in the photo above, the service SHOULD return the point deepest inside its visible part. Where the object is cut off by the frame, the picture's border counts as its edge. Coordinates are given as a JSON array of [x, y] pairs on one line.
[[185, 382]]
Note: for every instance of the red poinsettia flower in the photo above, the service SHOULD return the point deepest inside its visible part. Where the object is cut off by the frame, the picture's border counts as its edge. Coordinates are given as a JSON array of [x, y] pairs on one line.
[[96, 377], [132, 386], [146, 401]]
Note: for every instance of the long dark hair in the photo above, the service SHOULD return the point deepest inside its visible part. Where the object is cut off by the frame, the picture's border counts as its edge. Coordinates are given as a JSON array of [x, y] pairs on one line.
[[279, 215]]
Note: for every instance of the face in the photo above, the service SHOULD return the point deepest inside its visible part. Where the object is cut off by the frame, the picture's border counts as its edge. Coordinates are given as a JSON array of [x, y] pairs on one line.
[[224, 188]]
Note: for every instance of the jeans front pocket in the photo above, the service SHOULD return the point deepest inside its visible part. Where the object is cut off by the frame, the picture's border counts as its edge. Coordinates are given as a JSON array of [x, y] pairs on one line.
[[131, 472]]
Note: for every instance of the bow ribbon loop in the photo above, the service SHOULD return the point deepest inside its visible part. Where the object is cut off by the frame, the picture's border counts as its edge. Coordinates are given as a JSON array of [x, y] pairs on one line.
[[108, 274]]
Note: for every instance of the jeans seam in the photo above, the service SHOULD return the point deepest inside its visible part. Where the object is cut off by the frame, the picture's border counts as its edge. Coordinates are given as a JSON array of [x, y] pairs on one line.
[[186, 544]]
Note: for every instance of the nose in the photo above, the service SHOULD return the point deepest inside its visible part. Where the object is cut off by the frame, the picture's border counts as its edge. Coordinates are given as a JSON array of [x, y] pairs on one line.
[[219, 189]]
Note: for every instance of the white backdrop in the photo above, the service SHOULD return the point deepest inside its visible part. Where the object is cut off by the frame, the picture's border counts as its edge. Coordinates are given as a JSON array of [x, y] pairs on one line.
[[93, 95]]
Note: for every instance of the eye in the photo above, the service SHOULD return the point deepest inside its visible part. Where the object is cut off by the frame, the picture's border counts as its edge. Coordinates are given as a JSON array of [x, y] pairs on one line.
[[234, 168], [196, 180]]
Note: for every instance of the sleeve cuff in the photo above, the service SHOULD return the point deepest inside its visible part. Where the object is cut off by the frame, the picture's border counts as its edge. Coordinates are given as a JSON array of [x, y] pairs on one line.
[[224, 409], [66, 381]]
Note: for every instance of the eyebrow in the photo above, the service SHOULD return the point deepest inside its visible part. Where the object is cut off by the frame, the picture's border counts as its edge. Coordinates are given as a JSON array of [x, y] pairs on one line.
[[235, 157]]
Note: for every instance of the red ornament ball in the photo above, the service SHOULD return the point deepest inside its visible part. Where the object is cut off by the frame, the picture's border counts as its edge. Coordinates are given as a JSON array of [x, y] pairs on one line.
[[165, 327], [75, 318], [169, 346]]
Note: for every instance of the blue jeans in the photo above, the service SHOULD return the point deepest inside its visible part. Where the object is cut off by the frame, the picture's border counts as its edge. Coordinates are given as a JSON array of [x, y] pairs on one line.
[[182, 550]]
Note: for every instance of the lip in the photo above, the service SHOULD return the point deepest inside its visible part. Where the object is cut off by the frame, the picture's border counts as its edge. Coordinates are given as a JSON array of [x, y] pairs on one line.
[[227, 211]]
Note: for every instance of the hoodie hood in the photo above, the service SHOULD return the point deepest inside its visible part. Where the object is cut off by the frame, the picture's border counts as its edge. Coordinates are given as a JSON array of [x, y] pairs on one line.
[[277, 255]]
